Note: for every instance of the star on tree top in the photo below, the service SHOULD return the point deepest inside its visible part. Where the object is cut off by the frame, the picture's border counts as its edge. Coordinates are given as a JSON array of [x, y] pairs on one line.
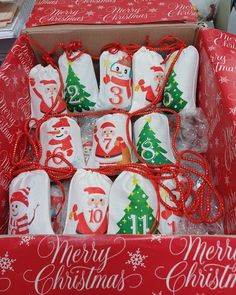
[[106, 63], [135, 180], [148, 120]]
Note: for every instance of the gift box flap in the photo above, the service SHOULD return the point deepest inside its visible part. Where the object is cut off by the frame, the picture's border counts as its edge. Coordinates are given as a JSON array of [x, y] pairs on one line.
[[111, 12]]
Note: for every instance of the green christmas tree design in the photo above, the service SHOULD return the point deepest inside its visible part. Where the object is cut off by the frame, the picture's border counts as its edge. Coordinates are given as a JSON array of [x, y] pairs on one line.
[[75, 95], [138, 218], [149, 148], [173, 95]]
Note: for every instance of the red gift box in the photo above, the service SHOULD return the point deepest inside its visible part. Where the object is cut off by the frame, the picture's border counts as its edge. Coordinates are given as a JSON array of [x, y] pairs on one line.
[[118, 264]]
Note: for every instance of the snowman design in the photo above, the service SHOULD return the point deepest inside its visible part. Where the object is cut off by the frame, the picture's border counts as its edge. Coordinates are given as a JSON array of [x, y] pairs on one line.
[[119, 81], [60, 143], [19, 222]]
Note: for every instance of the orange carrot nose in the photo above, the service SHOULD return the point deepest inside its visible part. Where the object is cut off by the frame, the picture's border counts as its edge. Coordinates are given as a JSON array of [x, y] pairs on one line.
[[117, 72], [54, 132]]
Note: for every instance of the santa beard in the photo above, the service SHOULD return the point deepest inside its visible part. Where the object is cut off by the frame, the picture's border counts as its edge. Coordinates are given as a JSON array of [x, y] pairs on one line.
[[107, 143], [94, 216]]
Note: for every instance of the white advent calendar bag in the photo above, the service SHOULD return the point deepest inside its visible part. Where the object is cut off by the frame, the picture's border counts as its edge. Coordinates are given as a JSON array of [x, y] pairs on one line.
[[88, 203], [29, 199], [44, 85], [61, 136], [180, 89], [148, 76], [80, 84], [132, 205], [152, 139], [110, 143], [115, 81]]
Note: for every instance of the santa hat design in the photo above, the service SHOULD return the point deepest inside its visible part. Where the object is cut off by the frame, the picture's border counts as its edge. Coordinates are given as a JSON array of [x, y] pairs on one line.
[[46, 82], [125, 61], [157, 69], [107, 124], [21, 196], [63, 122], [87, 143], [94, 190]]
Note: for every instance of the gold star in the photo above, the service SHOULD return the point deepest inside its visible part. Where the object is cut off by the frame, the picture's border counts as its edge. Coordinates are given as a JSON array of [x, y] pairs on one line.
[[164, 194], [135, 180], [148, 120], [148, 206], [69, 62], [124, 221], [106, 63], [156, 153]]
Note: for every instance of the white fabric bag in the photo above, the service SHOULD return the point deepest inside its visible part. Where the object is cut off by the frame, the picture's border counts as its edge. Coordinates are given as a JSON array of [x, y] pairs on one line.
[[88, 203], [61, 136], [29, 199], [180, 89], [44, 85], [80, 84], [148, 76], [115, 81], [152, 139], [133, 205], [110, 143]]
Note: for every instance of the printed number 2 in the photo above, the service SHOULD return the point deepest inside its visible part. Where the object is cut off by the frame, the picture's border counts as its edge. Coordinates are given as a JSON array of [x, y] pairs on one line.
[[117, 91], [95, 216]]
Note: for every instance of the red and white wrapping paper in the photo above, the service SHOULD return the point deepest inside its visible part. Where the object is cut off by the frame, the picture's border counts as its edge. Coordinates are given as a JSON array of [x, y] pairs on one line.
[[217, 92], [29, 198], [152, 139], [148, 75], [45, 91], [181, 87], [115, 81], [88, 203], [110, 143], [110, 12], [61, 136], [79, 78]]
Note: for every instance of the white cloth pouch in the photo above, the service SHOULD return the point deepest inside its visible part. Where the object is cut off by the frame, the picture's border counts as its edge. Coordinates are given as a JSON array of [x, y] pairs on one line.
[[148, 76], [29, 199], [110, 143], [180, 89], [88, 203], [115, 81], [61, 136], [132, 205], [45, 85], [80, 84], [152, 139]]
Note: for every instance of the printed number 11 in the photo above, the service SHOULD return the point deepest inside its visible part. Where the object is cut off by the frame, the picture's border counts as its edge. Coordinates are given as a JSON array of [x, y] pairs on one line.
[[135, 224]]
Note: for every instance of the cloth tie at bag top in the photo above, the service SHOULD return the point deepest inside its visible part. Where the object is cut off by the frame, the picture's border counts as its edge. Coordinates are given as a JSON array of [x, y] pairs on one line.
[[110, 143], [133, 207], [152, 139], [148, 76], [61, 136], [29, 197], [45, 85], [88, 203], [115, 81], [180, 89], [80, 84]]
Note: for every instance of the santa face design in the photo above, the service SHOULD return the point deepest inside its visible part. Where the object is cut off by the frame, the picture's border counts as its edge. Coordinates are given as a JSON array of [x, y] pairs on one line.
[[108, 132], [121, 71], [159, 78], [96, 202], [51, 91], [17, 209], [87, 147]]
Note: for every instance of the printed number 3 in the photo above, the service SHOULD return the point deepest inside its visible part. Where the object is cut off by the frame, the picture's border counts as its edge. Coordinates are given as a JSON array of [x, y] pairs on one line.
[[117, 91]]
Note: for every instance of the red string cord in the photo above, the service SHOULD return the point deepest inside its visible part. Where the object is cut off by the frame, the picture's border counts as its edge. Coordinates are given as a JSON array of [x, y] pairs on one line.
[[194, 203]]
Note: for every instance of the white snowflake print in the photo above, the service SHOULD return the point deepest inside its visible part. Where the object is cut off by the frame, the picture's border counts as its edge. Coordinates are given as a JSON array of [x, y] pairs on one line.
[[160, 293], [153, 10], [6, 263], [224, 80], [136, 259], [156, 238], [26, 240], [232, 111], [211, 48], [15, 80], [90, 13]]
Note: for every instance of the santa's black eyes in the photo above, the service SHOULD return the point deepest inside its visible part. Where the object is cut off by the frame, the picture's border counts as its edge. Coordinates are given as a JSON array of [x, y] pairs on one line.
[[101, 200], [125, 71], [92, 200], [117, 68], [48, 89], [62, 128], [110, 131]]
